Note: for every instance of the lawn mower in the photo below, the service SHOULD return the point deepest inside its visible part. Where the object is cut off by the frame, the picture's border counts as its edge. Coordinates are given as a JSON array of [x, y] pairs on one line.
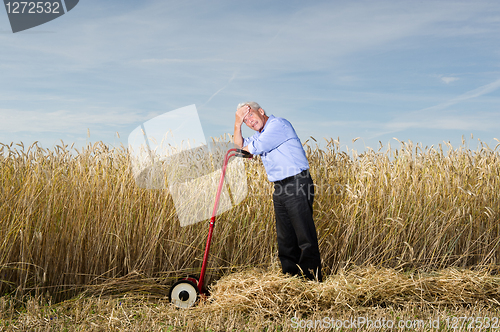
[[185, 292]]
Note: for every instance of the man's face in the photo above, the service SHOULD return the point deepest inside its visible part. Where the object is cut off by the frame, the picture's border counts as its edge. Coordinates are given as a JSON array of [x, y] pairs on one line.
[[255, 119]]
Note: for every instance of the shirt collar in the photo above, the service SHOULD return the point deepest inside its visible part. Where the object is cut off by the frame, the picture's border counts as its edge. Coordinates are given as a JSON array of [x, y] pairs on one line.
[[267, 122]]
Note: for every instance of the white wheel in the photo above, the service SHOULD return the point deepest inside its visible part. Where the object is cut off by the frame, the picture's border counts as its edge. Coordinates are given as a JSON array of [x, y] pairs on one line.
[[183, 294]]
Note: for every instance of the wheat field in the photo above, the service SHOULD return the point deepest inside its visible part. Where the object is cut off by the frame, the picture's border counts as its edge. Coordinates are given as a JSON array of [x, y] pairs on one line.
[[74, 225]]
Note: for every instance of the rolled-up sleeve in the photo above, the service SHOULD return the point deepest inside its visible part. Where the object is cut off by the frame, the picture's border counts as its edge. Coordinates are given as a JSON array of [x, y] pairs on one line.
[[247, 140]]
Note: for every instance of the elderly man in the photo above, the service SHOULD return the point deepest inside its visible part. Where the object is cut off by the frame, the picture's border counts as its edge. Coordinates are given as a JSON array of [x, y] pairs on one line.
[[287, 167]]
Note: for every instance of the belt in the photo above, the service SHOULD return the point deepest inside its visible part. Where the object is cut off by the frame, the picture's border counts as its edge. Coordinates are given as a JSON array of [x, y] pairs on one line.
[[302, 174]]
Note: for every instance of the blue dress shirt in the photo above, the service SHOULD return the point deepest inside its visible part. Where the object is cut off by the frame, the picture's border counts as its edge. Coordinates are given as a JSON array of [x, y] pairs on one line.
[[279, 148]]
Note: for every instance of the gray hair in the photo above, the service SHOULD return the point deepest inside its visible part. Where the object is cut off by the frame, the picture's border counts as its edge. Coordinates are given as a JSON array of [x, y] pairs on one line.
[[253, 105]]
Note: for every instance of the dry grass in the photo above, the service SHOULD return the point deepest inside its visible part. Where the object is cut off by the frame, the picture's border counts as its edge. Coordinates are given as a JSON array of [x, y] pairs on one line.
[[73, 221], [267, 300], [278, 295]]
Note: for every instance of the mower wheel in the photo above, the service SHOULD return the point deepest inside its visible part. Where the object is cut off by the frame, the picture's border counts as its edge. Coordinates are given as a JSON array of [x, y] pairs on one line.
[[183, 294]]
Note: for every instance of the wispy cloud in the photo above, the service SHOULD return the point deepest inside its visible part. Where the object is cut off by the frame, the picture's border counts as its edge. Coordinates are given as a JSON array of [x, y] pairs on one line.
[[66, 121], [167, 61], [448, 80], [436, 117], [114, 62], [485, 89], [451, 120]]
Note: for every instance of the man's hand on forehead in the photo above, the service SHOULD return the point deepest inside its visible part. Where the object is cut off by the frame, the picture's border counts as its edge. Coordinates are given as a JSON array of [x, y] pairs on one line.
[[243, 112], [246, 109]]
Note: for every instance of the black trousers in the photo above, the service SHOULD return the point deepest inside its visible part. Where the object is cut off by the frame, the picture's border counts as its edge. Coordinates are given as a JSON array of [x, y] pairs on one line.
[[298, 248]]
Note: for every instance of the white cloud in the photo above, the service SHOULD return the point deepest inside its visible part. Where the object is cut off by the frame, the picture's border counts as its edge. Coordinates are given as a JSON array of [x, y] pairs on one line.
[[448, 80], [437, 117], [482, 90], [451, 120], [65, 121], [157, 54], [168, 61]]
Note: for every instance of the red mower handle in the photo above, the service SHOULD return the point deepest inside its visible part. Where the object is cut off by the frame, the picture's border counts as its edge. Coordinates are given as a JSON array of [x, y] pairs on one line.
[[230, 153]]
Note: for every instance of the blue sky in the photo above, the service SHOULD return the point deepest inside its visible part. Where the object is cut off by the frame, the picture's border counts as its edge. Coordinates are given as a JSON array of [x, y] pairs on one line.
[[425, 71]]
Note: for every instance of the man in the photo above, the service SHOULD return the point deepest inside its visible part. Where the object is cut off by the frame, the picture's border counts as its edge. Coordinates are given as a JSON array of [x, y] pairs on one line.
[[287, 167]]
